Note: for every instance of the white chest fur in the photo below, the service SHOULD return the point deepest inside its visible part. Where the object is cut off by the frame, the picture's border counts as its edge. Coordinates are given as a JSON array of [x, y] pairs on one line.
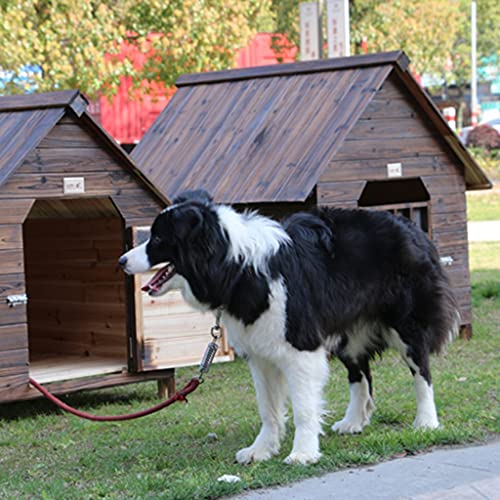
[[265, 337]]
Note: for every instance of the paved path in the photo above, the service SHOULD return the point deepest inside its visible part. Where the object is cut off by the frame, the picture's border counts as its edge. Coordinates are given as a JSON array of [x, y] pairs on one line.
[[484, 230], [447, 474]]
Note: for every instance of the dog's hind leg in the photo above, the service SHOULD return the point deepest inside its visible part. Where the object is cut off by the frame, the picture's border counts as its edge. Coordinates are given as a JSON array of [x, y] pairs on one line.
[[416, 356], [426, 408], [306, 374], [270, 386], [361, 405]]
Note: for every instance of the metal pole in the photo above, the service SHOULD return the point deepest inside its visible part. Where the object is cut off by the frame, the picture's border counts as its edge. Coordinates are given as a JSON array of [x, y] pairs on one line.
[[473, 80]]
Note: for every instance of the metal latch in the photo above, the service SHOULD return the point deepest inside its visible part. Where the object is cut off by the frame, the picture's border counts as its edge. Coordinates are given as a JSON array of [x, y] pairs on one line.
[[17, 300], [447, 261]]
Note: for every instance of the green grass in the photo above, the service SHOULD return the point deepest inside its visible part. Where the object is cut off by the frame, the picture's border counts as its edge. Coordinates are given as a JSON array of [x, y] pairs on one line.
[[47, 454], [483, 205]]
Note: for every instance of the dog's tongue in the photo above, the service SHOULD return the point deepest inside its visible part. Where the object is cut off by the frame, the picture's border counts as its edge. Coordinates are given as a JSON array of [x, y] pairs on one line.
[[159, 278]]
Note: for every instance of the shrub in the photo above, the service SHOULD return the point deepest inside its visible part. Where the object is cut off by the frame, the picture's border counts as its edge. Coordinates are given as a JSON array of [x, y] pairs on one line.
[[488, 160], [484, 136]]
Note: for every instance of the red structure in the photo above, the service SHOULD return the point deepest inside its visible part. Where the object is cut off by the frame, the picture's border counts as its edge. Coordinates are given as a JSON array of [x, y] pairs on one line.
[[261, 53], [130, 112]]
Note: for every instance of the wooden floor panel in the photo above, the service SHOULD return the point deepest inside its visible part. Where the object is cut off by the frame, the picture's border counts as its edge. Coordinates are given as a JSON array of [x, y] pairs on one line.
[[45, 369]]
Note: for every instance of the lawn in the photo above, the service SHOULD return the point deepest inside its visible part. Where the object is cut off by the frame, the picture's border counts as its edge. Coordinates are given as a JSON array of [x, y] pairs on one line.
[[47, 454], [483, 205]]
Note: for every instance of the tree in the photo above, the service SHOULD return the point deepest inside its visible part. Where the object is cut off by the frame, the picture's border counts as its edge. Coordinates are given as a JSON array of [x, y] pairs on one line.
[[488, 40], [77, 43], [67, 39], [432, 32], [191, 35], [424, 30]]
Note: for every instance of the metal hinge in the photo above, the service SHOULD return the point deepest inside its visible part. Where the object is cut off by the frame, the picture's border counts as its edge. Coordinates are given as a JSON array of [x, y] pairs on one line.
[[130, 348], [17, 300]]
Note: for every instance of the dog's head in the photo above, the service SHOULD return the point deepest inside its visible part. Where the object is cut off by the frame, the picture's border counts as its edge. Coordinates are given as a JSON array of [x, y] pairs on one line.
[[178, 238]]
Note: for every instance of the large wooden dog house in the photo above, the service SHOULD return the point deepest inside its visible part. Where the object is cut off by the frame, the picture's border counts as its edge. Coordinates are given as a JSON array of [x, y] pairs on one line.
[[70, 201], [347, 132]]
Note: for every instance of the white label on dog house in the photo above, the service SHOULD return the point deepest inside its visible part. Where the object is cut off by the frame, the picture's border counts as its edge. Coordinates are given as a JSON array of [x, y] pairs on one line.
[[394, 170], [447, 260], [74, 185]]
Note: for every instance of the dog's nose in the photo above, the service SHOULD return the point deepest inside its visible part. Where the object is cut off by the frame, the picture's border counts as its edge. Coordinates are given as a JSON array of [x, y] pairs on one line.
[[122, 260]]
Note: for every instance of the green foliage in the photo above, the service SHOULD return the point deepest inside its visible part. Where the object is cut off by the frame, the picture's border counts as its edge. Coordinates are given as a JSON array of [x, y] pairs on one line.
[[489, 161], [424, 30], [70, 39], [435, 33], [488, 39], [191, 35], [286, 14]]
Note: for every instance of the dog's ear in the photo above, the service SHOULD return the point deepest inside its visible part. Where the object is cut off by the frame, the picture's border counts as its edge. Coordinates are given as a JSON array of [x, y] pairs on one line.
[[199, 195], [187, 222]]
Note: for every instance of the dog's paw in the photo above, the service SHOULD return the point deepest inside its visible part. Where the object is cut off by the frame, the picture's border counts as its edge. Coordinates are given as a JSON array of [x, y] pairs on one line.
[[299, 458], [253, 454], [426, 422], [346, 426]]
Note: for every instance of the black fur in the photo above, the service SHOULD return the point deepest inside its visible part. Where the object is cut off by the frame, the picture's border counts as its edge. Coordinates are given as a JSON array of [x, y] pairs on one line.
[[342, 268]]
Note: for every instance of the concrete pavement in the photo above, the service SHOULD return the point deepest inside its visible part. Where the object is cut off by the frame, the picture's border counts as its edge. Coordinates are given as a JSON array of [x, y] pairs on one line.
[[471, 473], [484, 230]]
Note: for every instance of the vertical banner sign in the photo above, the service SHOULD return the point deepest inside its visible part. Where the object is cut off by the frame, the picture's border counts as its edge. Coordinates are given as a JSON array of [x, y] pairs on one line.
[[337, 27], [310, 31]]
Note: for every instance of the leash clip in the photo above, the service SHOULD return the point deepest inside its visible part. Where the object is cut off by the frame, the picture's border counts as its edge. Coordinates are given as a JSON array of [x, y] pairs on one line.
[[211, 350], [216, 332]]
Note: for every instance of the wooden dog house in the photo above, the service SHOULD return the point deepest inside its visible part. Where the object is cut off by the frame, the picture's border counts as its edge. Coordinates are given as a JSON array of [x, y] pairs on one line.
[[70, 199], [346, 132]]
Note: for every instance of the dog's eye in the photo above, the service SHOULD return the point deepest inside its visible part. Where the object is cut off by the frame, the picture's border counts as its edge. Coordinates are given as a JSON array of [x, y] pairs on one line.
[[156, 240]]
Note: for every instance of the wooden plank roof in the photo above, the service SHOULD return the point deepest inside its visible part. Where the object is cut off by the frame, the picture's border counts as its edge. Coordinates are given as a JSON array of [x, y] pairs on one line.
[[266, 134], [26, 119], [45, 100]]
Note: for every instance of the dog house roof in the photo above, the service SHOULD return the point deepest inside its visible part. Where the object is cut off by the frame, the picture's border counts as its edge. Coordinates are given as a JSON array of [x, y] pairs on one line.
[[26, 119], [266, 134]]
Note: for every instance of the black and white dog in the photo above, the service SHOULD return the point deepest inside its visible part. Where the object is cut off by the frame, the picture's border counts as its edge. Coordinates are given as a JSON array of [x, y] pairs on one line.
[[348, 282]]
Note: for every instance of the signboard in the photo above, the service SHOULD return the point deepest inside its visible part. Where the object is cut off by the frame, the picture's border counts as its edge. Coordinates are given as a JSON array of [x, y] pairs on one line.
[[310, 31], [74, 185], [337, 27], [394, 170]]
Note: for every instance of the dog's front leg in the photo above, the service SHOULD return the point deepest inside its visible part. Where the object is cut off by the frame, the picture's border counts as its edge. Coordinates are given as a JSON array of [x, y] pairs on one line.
[[270, 388], [306, 374]]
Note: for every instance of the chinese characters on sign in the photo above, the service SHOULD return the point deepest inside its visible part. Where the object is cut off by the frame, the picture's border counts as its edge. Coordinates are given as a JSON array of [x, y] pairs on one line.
[[310, 31], [337, 27]]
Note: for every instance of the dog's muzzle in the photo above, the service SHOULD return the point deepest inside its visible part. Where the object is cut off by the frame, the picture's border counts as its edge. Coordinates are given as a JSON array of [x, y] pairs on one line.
[[155, 285]]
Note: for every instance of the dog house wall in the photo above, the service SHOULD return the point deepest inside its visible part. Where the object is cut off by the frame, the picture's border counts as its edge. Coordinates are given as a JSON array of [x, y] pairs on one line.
[[288, 137], [392, 130], [46, 139]]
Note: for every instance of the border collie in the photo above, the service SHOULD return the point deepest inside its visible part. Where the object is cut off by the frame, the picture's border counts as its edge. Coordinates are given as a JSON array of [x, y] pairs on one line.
[[347, 282]]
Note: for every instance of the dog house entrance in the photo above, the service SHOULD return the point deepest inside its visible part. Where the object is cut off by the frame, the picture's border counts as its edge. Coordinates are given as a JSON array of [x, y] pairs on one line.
[[76, 295], [405, 197]]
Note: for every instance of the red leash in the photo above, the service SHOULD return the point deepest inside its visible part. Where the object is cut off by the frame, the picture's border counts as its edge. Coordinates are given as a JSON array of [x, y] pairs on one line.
[[178, 396], [191, 386]]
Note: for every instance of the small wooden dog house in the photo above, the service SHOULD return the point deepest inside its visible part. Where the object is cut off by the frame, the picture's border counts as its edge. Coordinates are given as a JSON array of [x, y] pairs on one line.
[[70, 198], [347, 132]]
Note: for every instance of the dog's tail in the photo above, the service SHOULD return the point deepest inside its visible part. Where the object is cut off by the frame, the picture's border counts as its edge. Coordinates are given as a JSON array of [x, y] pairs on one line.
[[447, 314]]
